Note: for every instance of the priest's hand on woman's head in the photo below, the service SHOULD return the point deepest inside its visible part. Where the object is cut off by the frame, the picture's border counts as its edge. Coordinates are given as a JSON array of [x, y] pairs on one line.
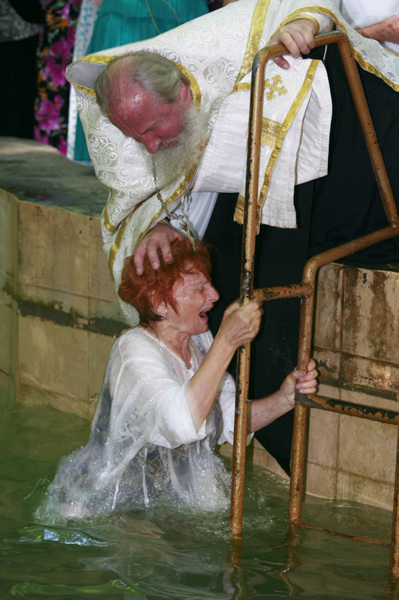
[[156, 245]]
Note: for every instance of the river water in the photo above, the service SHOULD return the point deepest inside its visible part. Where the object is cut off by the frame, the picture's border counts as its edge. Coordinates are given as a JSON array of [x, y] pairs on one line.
[[174, 554]]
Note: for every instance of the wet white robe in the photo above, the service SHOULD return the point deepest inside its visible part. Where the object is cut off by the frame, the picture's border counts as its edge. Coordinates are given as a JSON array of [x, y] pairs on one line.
[[143, 446]]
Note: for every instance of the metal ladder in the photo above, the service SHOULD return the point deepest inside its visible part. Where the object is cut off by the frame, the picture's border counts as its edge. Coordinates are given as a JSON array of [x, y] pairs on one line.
[[306, 291]]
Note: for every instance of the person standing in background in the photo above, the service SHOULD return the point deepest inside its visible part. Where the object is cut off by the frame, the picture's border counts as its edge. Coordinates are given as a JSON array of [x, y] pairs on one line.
[[124, 21], [19, 38], [56, 47]]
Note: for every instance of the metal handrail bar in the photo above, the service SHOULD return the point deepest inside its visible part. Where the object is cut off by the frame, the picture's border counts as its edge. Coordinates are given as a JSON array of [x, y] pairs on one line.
[[362, 411], [319, 260], [350, 536], [307, 286]]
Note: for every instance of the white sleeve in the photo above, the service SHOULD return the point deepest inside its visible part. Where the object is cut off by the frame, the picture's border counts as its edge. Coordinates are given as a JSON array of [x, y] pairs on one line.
[[197, 215], [362, 13], [149, 403], [324, 22]]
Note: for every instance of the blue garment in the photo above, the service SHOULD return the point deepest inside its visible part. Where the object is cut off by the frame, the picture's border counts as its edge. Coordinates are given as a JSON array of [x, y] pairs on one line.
[[125, 21]]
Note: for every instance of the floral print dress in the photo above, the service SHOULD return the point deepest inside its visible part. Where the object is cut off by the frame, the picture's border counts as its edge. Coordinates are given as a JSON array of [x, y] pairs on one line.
[[55, 52]]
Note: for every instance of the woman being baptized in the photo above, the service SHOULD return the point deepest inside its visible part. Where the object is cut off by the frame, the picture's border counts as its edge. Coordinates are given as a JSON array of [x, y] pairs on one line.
[[167, 399]]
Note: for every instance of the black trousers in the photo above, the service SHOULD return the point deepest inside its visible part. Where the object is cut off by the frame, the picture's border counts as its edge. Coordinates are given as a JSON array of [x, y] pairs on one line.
[[18, 74], [334, 209]]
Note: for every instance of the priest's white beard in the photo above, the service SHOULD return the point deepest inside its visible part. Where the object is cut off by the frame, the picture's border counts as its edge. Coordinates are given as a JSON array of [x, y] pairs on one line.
[[175, 158]]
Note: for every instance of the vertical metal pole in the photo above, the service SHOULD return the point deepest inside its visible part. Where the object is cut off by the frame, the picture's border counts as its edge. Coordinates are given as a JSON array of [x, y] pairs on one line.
[[237, 579], [240, 438], [247, 263], [367, 125], [297, 463], [300, 415]]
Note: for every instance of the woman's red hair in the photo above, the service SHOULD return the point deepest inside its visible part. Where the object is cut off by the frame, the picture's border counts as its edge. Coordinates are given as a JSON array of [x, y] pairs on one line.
[[155, 286]]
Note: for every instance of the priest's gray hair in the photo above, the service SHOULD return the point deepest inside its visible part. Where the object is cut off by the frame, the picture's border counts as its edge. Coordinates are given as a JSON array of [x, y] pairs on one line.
[[153, 72]]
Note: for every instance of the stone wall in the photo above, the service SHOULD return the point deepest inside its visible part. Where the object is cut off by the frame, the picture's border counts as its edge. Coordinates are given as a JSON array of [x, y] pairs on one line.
[[356, 344], [60, 314]]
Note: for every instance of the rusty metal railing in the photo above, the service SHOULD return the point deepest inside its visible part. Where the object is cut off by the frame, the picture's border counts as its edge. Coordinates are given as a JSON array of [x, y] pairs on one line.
[[306, 291]]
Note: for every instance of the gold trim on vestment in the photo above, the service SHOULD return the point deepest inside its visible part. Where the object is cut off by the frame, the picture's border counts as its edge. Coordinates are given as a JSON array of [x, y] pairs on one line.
[[270, 132], [273, 87], [292, 113], [100, 59], [116, 245], [300, 14], [240, 209], [362, 62], [391, 51], [243, 87], [267, 86], [254, 38], [309, 18], [194, 87], [107, 224]]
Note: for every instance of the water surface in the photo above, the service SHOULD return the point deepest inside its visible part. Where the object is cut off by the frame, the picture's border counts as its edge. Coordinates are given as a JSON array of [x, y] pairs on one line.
[[162, 553]]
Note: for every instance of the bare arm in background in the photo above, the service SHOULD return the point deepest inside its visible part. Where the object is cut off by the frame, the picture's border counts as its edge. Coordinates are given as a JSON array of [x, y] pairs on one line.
[[385, 31]]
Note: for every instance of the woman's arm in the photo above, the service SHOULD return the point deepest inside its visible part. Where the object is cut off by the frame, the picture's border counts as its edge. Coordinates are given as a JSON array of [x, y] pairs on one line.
[[264, 411], [147, 387], [239, 326]]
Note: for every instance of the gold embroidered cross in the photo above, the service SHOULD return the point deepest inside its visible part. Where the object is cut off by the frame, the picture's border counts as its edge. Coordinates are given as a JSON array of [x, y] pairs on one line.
[[274, 87]]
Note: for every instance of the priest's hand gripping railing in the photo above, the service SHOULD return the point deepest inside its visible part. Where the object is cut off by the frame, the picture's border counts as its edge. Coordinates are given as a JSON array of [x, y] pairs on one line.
[[305, 290]]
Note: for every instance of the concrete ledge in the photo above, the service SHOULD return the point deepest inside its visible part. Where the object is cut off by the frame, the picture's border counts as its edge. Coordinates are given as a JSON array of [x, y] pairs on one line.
[[60, 313], [39, 174]]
